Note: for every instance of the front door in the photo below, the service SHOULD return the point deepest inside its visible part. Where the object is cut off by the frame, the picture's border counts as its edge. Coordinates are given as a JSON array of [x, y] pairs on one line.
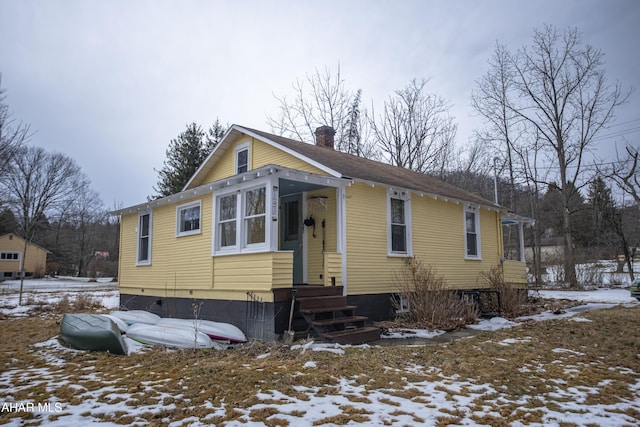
[[291, 232]]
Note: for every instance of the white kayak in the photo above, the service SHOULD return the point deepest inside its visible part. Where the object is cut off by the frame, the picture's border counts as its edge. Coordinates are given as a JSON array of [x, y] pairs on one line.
[[168, 336], [216, 330], [136, 316], [121, 324]]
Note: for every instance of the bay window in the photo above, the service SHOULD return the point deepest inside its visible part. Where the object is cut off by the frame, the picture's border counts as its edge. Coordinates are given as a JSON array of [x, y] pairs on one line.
[[241, 221]]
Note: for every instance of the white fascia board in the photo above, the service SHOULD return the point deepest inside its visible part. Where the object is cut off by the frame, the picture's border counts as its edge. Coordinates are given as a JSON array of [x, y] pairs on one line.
[[312, 162], [200, 190], [279, 171], [434, 196], [224, 142]]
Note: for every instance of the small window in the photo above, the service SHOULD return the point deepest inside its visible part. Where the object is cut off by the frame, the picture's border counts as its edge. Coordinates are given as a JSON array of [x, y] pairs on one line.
[[472, 232], [188, 217], [398, 226], [242, 158], [144, 239], [399, 223]]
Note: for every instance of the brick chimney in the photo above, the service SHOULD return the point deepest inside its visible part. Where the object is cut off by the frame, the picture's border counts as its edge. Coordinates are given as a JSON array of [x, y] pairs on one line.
[[324, 137]]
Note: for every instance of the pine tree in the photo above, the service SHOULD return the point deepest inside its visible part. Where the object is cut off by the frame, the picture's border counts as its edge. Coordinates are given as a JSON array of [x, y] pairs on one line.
[[185, 154]]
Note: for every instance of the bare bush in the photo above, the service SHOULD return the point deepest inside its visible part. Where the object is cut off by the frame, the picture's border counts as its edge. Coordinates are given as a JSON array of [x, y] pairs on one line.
[[428, 300], [83, 302], [513, 299], [589, 275]]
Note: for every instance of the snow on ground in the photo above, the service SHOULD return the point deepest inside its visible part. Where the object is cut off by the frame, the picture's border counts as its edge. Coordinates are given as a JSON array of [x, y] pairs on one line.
[[384, 407], [40, 292]]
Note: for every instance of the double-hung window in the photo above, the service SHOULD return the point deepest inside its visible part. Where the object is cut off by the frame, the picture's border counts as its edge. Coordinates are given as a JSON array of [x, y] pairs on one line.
[[241, 221], [255, 214], [472, 233], [242, 158], [188, 219], [144, 239], [399, 224], [227, 215]]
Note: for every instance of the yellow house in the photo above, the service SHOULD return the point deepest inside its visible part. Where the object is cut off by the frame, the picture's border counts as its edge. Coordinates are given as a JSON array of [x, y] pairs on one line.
[[12, 256], [265, 214]]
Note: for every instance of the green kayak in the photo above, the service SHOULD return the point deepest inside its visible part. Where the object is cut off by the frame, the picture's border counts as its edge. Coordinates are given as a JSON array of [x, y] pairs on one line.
[[92, 332]]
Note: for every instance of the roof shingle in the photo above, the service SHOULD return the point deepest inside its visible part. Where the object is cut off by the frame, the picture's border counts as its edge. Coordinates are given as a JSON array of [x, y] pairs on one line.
[[359, 168]]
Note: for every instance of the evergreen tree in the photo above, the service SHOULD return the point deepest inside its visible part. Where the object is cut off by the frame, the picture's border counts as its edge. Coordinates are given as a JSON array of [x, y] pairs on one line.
[[185, 154], [603, 211]]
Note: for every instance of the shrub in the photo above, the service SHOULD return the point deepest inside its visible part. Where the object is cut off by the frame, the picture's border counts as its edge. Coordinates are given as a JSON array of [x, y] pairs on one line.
[[513, 299], [428, 300]]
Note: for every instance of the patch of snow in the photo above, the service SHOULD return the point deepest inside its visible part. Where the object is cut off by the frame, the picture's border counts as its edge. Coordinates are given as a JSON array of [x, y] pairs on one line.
[[580, 319], [411, 333], [492, 324]]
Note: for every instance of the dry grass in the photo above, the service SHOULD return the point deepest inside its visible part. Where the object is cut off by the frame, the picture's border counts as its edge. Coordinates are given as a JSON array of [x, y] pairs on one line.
[[600, 356]]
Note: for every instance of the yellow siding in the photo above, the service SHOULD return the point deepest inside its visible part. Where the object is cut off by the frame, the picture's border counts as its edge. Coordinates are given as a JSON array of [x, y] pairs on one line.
[[332, 269], [314, 256], [177, 263], [438, 238], [260, 154], [369, 269], [35, 260], [514, 272], [259, 272]]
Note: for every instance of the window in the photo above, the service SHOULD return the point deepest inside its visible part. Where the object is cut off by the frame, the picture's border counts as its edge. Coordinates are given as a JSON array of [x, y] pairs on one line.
[[472, 232], [188, 218], [227, 221], [144, 239], [399, 234], [9, 256], [241, 220], [255, 215], [242, 158]]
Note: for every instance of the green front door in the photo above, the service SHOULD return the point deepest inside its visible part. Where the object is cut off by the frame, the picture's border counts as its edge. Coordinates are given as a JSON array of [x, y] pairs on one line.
[[291, 232]]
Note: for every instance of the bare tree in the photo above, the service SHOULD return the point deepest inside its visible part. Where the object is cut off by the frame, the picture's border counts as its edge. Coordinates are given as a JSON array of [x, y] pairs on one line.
[[12, 134], [87, 211], [491, 100], [415, 130], [322, 99], [625, 173], [38, 183], [558, 90]]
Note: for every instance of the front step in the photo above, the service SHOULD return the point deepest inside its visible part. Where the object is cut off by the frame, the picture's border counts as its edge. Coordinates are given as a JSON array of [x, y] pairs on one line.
[[354, 336], [334, 320]]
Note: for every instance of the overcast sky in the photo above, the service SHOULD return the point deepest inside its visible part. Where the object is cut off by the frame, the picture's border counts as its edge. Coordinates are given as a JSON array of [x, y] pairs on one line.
[[110, 83]]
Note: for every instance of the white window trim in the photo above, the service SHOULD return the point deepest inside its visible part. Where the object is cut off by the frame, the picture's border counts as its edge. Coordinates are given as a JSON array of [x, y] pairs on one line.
[[404, 195], [241, 247], [239, 148], [12, 253], [476, 211], [140, 215], [179, 210]]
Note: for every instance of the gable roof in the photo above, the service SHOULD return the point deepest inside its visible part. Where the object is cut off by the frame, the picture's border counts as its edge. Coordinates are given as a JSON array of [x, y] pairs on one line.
[[3, 236], [344, 165]]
